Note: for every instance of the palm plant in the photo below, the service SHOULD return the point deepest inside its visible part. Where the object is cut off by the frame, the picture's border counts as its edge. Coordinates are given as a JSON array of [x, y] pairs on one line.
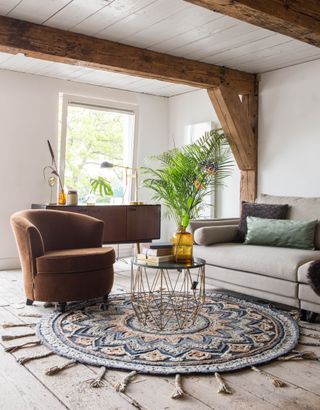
[[186, 175]]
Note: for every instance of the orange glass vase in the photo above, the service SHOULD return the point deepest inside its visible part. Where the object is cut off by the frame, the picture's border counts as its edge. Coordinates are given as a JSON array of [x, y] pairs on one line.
[[62, 200], [182, 242]]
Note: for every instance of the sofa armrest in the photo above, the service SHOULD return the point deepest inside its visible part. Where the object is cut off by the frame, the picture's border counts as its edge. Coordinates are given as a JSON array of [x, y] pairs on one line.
[[210, 235], [201, 223]]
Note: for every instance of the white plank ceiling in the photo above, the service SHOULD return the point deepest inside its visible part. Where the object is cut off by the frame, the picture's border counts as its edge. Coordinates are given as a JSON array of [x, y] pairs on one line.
[[170, 26]]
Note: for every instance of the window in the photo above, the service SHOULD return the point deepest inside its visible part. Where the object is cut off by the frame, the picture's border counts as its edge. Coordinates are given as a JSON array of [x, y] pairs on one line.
[[191, 134], [93, 132]]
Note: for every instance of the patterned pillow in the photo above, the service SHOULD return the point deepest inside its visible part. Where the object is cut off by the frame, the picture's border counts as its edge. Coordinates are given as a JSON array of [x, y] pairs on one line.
[[268, 211]]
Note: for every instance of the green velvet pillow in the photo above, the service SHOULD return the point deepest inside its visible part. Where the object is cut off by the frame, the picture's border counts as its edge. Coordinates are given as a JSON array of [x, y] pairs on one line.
[[282, 233]]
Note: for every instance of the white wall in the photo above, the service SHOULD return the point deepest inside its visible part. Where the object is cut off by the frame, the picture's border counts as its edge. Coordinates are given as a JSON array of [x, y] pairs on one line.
[[29, 116], [289, 131], [196, 107]]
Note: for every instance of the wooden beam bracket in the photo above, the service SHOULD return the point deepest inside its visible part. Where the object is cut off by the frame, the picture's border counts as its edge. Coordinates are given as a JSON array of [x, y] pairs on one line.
[[239, 118]]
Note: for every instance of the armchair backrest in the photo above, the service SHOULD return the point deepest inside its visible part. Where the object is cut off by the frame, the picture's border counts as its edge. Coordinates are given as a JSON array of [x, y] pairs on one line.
[[58, 229]]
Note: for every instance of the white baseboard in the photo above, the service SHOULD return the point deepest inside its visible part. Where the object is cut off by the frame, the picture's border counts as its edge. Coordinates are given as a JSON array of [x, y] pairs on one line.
[[9, 263]]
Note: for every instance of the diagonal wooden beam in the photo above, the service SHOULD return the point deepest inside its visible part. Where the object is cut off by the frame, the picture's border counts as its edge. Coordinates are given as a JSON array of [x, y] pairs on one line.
[[52, 44], [235, 123], [299, 19], [239, 122]]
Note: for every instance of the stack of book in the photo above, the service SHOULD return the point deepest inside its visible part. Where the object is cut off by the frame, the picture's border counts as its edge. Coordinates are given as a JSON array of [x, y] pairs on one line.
[[157, 253]]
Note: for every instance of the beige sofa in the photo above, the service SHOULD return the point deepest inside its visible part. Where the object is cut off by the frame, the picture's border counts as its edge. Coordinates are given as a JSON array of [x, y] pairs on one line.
[[270, 273]]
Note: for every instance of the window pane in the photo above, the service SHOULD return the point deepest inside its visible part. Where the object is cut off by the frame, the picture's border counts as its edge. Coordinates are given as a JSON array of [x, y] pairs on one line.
[[93, 136]]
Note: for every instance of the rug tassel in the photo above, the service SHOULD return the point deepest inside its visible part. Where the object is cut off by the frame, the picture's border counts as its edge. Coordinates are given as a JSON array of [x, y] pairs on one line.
[[12, 337], [307, 326], [315, 344], [98, 381], [9, 324], [57, 369], [13, 349], [26, 359], [276, 382], [295, 355], [122, 385], [29, 315], [310, 334], [222, 388], [178, 392]]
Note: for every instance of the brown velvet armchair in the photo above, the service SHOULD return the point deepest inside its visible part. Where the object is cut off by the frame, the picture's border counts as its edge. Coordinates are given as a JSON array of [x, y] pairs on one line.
[[62, 257]]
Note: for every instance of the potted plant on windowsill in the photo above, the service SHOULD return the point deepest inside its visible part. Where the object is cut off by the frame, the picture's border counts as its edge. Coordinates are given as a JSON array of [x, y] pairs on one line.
[[186, 175]]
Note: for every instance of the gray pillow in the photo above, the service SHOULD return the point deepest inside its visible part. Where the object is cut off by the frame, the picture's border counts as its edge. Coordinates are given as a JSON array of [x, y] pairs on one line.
[[210, 235], [281, 233]]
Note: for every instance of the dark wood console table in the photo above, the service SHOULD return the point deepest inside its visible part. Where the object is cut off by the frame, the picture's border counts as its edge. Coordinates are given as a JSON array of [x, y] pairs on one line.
[[122, 223]]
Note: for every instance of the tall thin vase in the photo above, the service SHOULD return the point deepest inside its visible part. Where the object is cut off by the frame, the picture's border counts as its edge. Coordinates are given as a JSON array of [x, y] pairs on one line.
[[182, 245]]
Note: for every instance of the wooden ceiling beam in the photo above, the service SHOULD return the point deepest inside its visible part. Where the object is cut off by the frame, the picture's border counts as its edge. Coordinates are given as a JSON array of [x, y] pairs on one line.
[[299, 19], [61, 46]]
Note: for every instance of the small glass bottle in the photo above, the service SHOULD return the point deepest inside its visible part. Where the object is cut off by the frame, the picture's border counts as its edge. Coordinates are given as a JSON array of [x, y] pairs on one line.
[[72, 198], [62, 200]]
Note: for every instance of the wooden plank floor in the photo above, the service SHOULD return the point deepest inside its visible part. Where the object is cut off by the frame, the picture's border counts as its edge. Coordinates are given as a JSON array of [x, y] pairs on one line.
[[27, 387]]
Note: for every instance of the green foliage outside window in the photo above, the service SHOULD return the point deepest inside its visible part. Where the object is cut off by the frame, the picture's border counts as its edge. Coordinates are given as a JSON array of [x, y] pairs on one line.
[[93, 136]]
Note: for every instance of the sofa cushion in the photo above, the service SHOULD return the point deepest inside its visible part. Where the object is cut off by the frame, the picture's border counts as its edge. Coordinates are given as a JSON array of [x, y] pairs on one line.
[[252, 280], [75, 260], [269, 211], [300, 208], [280, 233], [209, 235], [281, 263]]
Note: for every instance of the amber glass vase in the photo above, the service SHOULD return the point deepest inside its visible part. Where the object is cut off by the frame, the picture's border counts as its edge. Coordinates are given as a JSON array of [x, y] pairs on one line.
[[182, 242], [62, 200]]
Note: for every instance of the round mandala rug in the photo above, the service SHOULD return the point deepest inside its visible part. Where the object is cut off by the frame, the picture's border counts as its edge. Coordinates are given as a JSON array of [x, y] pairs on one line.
[[229, 334]]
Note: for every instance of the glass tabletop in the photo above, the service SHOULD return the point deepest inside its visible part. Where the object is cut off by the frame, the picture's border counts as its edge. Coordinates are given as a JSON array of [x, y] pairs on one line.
[[196, 263]]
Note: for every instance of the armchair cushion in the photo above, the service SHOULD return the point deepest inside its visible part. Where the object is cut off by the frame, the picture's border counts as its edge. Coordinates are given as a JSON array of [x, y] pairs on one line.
[[75, 260], [210, 235]]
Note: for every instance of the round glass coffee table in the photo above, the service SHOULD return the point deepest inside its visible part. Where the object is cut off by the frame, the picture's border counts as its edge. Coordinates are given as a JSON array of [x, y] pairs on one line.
[[168, 296]]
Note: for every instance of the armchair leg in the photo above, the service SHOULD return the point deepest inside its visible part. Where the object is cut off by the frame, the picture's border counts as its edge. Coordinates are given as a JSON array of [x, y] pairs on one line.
[[61, 307], [104, 305], [303, 314], [29, 302], [311, 317]]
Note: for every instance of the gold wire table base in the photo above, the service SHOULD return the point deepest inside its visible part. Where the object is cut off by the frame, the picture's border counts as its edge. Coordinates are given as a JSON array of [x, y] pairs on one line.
[[167, 300]]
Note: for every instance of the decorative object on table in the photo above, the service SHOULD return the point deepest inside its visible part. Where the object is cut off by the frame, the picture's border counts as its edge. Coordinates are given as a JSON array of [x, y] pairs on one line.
[[170, 296], [52, 182], [100, 186], [155, 254], [72, 198], [186, 176], [133, 175], [229, 334], [155, 260], [53, 172]]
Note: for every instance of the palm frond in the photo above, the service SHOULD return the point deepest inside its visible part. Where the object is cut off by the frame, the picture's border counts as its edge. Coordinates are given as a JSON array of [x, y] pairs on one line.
[[188, 174]]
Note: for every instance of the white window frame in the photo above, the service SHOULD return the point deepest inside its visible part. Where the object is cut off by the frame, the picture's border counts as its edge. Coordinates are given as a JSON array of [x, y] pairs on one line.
[[105, 105]]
